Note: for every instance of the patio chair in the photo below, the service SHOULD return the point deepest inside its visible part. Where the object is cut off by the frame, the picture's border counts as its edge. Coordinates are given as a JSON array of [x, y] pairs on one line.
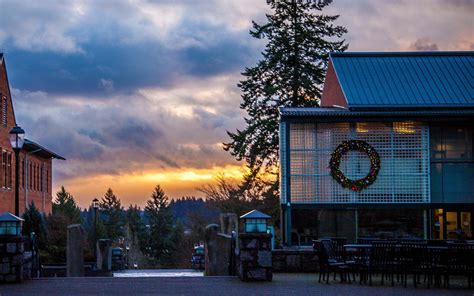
[[411, 261], [338, 247], [436, 266], [328, 261], [460, 261], [382, 260], [340, 254]]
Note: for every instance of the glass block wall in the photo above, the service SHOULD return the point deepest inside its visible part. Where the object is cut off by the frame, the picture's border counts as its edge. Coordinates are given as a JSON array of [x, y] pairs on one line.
[[404, 152]]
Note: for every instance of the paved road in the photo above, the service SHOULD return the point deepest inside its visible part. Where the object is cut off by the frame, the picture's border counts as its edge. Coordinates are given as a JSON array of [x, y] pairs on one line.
[[283, 284]]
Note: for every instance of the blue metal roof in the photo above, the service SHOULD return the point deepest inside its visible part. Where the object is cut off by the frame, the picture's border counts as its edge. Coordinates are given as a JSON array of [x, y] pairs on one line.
[[9, 217], [406, 79], [255, 214], [344, 113]]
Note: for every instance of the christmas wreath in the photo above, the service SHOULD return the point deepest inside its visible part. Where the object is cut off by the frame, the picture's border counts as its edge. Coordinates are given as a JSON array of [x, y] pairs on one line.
[[358, 145]]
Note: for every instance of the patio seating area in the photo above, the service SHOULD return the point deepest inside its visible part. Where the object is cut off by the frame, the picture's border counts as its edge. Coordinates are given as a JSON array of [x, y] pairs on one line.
[[418, 262]]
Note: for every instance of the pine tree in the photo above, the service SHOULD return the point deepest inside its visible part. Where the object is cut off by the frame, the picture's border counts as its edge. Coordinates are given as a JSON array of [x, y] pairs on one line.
[[34, 222], [290, 74], [112, 208], [161, 223], [65, 205], [136, 225], [174, 258]]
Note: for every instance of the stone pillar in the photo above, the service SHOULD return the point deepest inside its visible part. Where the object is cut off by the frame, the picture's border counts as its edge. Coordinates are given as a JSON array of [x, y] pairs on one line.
[[254, 259], [216, 251], [75, 250], [229, 223], [11, 259], [104, 254]]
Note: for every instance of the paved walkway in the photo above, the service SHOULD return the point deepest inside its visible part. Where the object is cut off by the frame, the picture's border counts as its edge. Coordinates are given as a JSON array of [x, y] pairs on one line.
[[158, 273], [283, 284]]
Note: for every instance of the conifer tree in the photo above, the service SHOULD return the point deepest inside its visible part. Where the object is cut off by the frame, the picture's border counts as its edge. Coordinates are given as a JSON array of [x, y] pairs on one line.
[[34, 222], [65, 205], [161, 224], [111, 206], [65, 212], [290, 74], [136, 225]]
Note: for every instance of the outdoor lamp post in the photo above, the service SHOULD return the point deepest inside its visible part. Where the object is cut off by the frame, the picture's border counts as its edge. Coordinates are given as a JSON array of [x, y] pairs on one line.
[[255, 222], [95, 206], [10, 225], [17, 139]]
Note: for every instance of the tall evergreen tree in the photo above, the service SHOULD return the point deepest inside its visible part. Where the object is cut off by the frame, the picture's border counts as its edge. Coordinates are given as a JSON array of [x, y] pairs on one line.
[[174, 257], [136, 225], [161, 224], [65, 212], [290, 74], [65, 205], [34, 222], [111, 206]]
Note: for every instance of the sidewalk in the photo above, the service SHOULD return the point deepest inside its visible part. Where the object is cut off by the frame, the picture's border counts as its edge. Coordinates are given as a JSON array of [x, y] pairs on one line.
[[283, 284]]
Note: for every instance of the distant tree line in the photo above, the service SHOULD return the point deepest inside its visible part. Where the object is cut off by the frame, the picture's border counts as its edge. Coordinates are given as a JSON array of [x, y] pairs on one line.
[[163, 234]]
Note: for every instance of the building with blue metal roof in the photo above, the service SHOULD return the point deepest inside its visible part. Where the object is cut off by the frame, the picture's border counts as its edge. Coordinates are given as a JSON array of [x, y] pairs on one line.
[[389, 154]]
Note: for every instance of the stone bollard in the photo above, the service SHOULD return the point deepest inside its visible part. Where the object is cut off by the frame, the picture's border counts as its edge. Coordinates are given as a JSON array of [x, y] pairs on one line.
[[75, 250], [229, 223], [104, 254], [254, 259], [11, 259], [216, 251]]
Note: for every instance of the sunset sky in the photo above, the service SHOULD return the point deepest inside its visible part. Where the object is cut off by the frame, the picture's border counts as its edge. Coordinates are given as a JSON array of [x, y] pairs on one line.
[[139, 93]]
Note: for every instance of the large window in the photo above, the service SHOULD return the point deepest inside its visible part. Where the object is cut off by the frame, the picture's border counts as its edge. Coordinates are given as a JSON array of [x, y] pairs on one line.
[[47, 179], [30, 177], [452, 163], [6, 174], [23, 173], [310, 224], [391, 223], [452, 143], [403, 148], [4, 111]]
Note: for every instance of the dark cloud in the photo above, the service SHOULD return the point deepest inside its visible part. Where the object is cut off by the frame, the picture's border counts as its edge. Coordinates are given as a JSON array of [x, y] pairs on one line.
[[465, 4], [424, 44], [122, 67], [61, 139]]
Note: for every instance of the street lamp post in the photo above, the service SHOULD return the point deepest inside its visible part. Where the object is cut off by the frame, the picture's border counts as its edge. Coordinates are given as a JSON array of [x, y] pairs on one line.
[[95, 206], [17, 139]]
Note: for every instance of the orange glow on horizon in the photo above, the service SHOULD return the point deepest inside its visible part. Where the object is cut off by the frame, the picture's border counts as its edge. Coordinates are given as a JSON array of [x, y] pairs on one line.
[[136, 188]]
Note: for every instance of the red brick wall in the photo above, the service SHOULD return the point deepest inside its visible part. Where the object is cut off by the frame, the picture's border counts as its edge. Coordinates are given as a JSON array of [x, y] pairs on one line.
[[332, 92], [7, 195]]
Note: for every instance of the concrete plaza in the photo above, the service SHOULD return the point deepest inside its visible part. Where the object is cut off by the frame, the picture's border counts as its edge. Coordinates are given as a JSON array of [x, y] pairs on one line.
[[282, 284]]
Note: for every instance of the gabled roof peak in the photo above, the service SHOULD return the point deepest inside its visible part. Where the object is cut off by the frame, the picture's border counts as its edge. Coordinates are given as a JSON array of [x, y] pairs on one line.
[[7, 216], [255, 214]]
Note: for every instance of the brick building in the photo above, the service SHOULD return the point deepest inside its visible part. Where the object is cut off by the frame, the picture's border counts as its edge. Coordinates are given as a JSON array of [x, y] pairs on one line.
[[35, 161]]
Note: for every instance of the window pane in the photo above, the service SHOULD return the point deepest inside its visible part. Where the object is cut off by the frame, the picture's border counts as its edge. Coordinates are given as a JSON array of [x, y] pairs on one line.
[[391, 223], [457, 142]]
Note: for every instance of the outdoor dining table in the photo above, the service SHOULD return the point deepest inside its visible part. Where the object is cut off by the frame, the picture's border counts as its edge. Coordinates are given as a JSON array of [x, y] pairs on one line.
[[358, 246], [369, 246]]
